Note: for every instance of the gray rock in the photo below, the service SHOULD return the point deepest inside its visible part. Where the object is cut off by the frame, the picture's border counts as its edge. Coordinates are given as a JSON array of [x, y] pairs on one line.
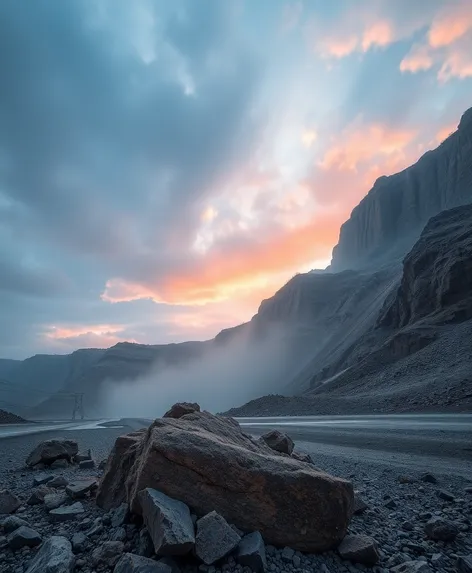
[[251, 552], [215, 538], [37, 495], [96, 529], [58, 481], [359, 549], [54, 556], [79, 541], [411, 567], [439, 529], [303, 457], [296, 561], [120, 515], [181, 409], [445, 495], [170, 562], [359, 504], [49, 451], [24, 537], [9, 502], [130, 563], [168, 521], [391, 504], [81, 456], [464, 564], [408, 526], [42, 478], [59, 465], [86, 464], [11, 523], [278, 441], [79, 489], [67, 513], [287, 554], [107, 554], [145, 544], [55, 500]]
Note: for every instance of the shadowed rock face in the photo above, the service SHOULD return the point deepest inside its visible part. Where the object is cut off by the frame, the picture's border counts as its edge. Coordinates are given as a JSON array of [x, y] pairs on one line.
[[437, 273], [390, 218], [208, 463]]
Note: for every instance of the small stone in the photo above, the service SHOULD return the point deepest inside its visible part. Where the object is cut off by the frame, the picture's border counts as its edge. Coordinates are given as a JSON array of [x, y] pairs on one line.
[[278, 441], [59, 465], [130, 563], [405, 479], [54, 556], [11, 523], [445, 495], [9, 502], [145, 544], [251, 552], [359, 504], [391, 504], [79, 541], [55, 500], [80, 488], [67, 513], [58, 481], [468, 490], [24, 537], [439, 529], [42, 478], [118, 534], [428, 478], [359, 549], [215, 538], [411, 567], [120, 515], [408, 526], [296, 561], [37, 495], [83, 456], [168, 522], [86, 464], [287, 554], [107, 554]]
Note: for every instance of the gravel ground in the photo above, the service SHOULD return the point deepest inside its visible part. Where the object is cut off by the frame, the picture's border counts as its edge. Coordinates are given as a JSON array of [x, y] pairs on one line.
[[398, 507]]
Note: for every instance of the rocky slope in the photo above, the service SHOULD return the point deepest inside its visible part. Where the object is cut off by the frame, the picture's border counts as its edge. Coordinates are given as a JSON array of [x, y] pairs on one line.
[[9, 418], [392, 215]]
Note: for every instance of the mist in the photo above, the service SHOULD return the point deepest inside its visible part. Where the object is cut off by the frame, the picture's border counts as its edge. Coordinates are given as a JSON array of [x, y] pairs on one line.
[[225, 376]]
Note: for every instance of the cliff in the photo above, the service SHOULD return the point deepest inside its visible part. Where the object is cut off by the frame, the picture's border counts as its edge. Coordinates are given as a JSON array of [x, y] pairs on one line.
[[390, 218]]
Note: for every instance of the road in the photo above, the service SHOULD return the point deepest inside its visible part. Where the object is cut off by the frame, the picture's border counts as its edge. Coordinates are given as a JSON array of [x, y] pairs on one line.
[[415, 441]]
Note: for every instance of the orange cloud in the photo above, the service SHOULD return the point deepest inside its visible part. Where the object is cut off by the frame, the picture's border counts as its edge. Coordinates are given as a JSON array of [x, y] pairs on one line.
[[363, 144], [418, 59], [222, 274], [457, 64], [379, 34], [451, 24], [90, 336]]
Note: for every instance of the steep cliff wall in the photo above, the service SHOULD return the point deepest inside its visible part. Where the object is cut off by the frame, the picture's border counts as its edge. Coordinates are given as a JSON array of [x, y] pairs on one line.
[[390, 218]]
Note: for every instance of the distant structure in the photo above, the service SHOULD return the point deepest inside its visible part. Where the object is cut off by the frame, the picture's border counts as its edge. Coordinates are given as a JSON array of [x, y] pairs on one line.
[[78, 406]]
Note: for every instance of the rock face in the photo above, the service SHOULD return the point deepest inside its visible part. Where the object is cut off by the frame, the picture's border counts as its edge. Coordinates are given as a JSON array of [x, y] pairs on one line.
[[54, 556], [181, 408], [215, 538], [168, 521], [51, 450], [437, 273], [399, 206], [278, 441], [208, 463]]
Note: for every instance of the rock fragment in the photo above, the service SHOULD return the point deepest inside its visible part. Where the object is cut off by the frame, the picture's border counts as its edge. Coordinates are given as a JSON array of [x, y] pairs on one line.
[[67, 513], [181, 409], [9, 502], [251, 552], [278, 441], [24, 537], [79, 489], [215, 538], [130, 563], [359, 549], [49, 451], [55, 500], [54, 556], [439, 529], [464, 564], [107, 554]]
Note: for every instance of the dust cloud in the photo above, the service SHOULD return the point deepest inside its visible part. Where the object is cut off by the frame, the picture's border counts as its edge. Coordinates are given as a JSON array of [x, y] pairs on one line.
[[223, 377]]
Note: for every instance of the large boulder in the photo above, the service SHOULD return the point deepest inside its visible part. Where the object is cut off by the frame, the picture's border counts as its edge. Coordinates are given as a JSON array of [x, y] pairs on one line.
[[208, 463], [278, 441], [49, 451], [54, 556], [181, 409], [168, 521]]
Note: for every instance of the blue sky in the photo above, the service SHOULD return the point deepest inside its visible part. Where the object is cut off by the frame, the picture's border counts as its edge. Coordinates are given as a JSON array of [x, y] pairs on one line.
[[164, 166]]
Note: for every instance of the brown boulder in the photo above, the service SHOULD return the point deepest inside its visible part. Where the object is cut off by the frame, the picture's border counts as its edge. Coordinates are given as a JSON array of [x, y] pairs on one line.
[[181, 409], [208, 463], [278, 441]]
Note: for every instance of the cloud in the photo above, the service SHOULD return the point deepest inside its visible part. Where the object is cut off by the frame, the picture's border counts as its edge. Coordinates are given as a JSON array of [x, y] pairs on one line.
[[419, 58]]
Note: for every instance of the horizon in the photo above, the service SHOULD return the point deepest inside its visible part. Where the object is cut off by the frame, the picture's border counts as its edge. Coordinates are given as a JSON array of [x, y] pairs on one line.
[[165, 168]]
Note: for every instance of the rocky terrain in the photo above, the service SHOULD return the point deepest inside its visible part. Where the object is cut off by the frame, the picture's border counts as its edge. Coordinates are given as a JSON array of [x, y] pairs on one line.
[[9, 418], [64, 511]]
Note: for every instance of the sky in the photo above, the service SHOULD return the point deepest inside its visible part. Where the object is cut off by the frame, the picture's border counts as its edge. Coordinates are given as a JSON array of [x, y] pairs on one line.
[[165, 166]]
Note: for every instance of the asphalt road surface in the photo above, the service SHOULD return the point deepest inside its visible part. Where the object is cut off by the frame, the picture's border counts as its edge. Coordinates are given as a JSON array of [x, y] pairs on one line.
[[420, 442]]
